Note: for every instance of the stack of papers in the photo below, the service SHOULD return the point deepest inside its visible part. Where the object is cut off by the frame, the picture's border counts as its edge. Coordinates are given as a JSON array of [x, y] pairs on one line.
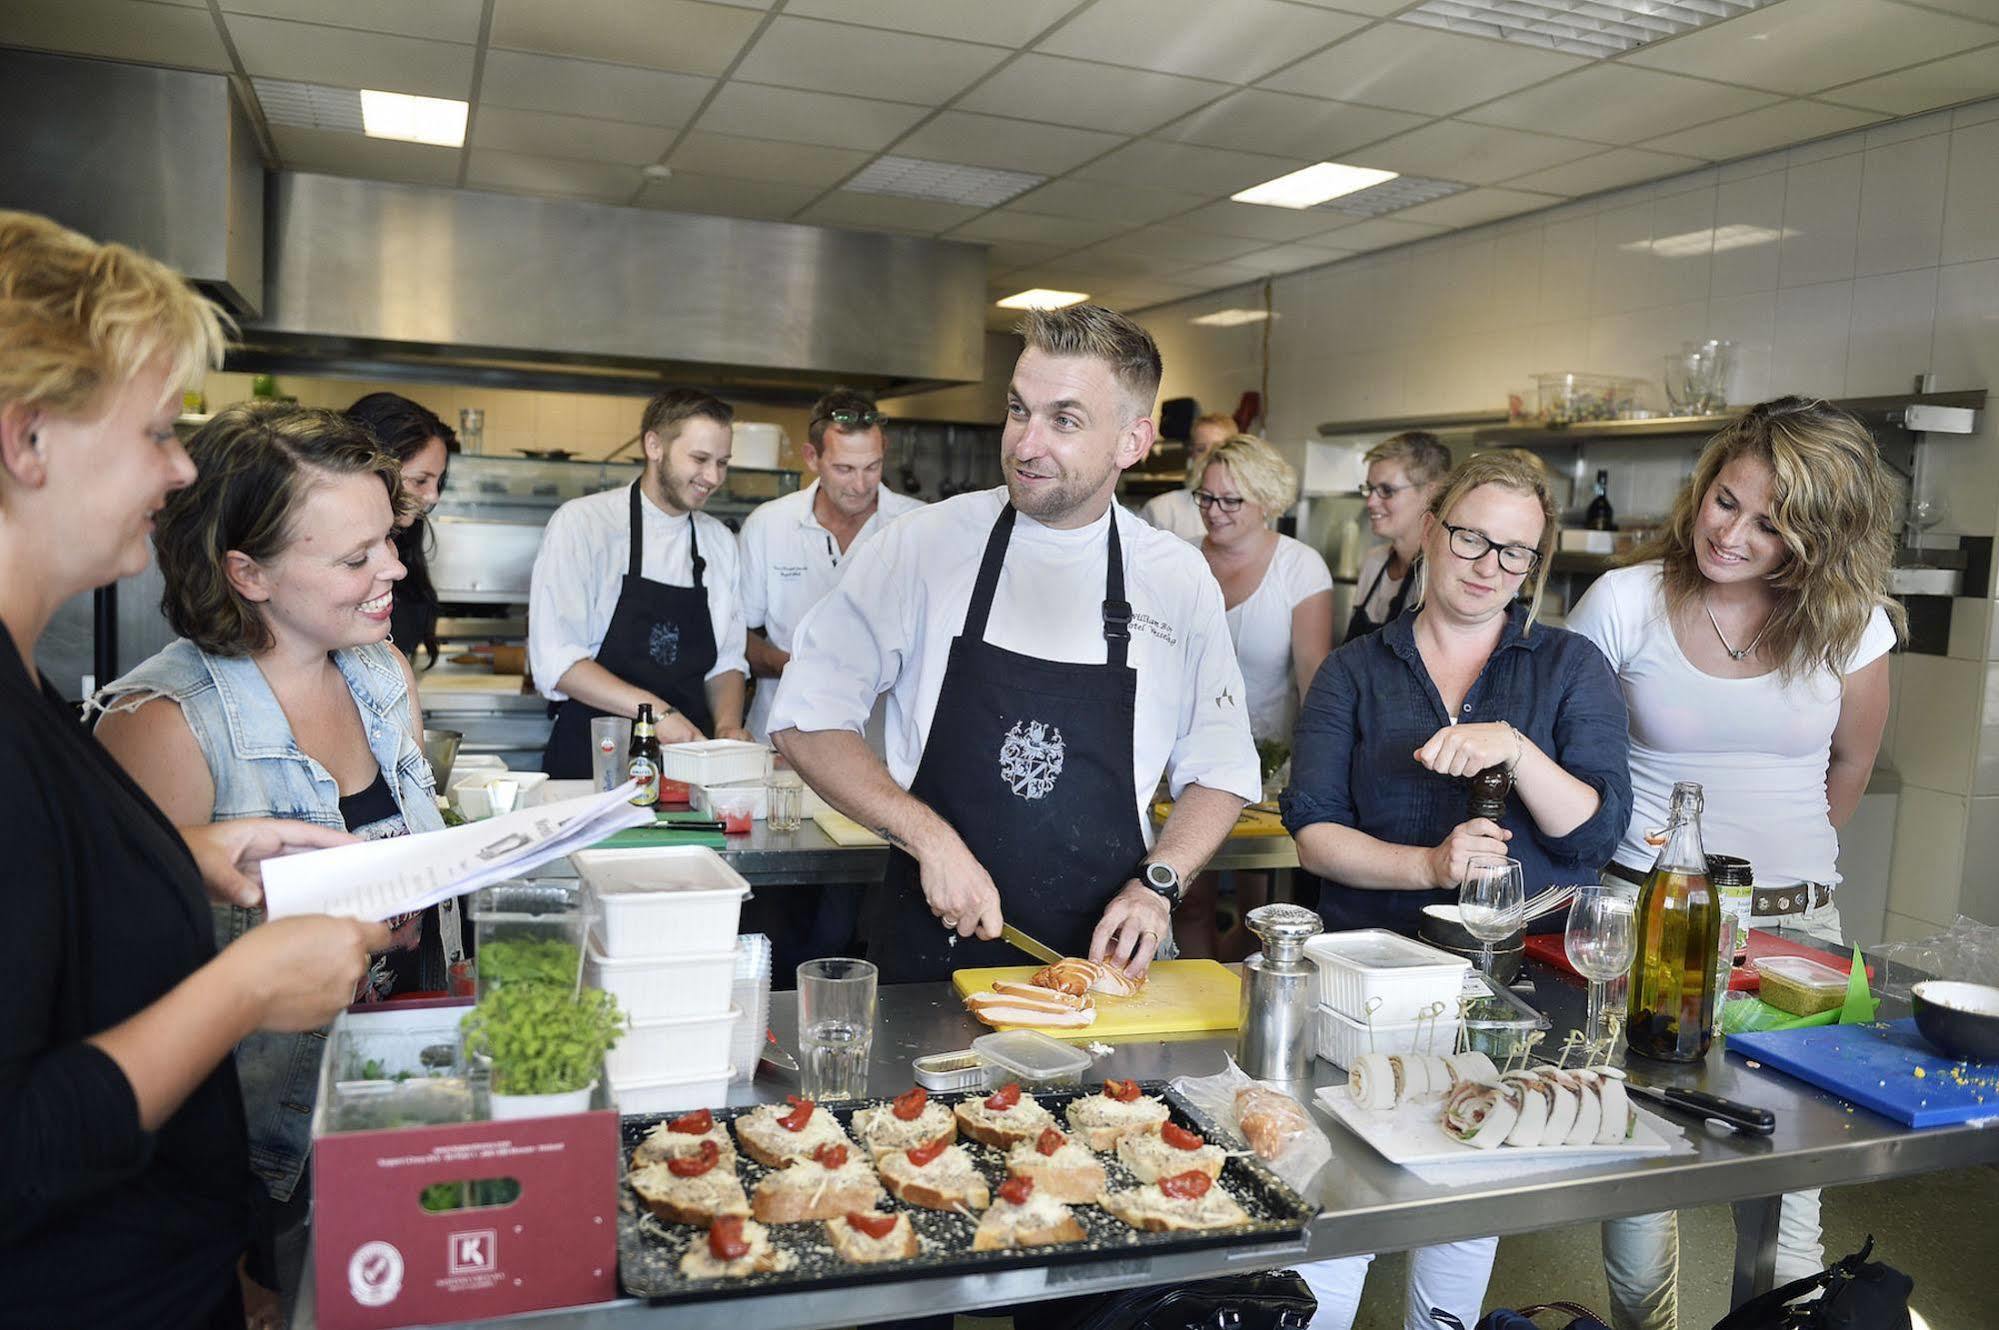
[[381, 879]]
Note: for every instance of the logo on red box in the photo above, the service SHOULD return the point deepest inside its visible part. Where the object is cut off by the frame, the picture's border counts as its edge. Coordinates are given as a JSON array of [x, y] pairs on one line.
[[474, 1253]]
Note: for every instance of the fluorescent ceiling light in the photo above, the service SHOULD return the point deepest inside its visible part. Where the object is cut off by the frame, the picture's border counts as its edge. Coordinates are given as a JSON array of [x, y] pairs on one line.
[[1595, 28], [1042, 298], [309, 105], [1233, 318], [942, 182], [1688, 244], [1392, 196], [1312, 185], [398, 115]]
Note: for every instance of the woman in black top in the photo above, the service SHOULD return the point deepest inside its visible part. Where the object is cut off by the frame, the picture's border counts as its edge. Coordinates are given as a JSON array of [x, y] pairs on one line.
[[423, 444], [124, 1179]]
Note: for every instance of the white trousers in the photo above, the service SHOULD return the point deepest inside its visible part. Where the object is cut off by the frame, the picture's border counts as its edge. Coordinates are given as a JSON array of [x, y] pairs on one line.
[[1450, 1277]]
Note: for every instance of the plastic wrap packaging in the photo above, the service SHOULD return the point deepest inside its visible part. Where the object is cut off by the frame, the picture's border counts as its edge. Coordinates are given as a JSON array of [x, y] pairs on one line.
[[1299, 1162], [751, 992], [1966, 951]]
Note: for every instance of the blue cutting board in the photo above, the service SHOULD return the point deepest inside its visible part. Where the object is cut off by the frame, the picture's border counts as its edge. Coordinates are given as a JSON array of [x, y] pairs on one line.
[[1876, 1067]]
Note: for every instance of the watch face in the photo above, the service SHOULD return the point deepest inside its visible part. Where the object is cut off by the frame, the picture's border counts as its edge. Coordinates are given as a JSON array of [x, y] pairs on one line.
[[1162, 877]]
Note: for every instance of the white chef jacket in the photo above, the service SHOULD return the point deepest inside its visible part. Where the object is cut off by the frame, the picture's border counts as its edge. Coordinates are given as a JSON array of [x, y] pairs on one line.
[[888, 624], [585, 552], [1176, 511], [790, 562]]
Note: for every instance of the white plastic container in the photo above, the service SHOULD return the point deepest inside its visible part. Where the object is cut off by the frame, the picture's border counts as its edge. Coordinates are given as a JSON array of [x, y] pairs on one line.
[[665, 900], [471, 791], [509, 1107], [652, 1049], [755, 445], [671, 1094], [1342, 1038], [714, 762], [662, 988], [1366, 963]]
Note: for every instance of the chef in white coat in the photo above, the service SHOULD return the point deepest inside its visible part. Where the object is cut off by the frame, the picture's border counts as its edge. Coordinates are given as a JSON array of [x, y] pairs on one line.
[[793, 548], [1047, 656], [1176, 510]]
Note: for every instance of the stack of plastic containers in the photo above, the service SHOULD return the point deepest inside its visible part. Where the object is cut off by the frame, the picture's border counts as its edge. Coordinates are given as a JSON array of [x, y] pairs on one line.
[[663, 942], [1380, 992]]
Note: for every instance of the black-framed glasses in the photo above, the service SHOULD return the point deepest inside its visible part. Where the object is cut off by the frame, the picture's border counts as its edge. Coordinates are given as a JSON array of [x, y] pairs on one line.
[[1471, 546], [853, 420], [1382, 492], [1228, 503]]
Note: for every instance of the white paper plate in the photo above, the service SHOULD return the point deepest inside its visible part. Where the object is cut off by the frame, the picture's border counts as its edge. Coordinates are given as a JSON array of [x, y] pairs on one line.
[[1414, 1137]]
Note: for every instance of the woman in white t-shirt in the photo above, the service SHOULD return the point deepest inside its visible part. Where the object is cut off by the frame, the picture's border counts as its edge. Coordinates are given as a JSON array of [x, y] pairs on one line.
[[1751, 642], [1279, 596]]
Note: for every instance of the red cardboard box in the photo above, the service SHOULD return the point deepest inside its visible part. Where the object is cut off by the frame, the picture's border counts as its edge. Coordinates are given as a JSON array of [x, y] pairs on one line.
[[383, 1260]]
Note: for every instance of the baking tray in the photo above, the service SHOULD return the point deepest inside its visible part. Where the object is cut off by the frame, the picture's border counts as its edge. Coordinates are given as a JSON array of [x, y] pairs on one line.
[[649, 1252]]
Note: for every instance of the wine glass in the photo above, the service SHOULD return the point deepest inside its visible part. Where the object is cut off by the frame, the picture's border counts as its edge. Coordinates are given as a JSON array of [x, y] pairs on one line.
[[1601, 939], [1491, 903]]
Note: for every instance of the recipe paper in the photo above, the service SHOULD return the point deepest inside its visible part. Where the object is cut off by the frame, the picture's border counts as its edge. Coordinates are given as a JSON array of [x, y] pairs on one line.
[[381, 879]]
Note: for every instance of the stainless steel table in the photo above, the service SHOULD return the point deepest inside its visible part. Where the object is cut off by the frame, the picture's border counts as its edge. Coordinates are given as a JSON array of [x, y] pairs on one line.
[[1367, 1203]]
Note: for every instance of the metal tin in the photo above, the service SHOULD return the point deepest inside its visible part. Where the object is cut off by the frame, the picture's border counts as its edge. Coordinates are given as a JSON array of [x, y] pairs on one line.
[[962, 1070]]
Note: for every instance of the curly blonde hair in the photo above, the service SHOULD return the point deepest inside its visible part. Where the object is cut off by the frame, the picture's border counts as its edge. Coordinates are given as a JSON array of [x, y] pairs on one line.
[[1833, 506], [1510, 469], [1259, 471]]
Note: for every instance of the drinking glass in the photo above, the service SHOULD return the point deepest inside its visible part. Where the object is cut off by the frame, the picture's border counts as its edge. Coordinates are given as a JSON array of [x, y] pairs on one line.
[[836, 1027], [1491, 903], [784, 795], [1601, 940], [609, 737]]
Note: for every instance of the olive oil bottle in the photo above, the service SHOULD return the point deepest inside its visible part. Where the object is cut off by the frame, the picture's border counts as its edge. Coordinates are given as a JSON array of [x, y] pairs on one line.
[[1672, 1003]]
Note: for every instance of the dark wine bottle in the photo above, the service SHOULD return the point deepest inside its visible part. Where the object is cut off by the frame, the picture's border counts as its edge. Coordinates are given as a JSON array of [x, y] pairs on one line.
[[1601, 517], [1672, 1003]]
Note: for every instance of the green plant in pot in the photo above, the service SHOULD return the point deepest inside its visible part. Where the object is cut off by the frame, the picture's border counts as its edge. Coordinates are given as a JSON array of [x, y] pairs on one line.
[[543, 1039]]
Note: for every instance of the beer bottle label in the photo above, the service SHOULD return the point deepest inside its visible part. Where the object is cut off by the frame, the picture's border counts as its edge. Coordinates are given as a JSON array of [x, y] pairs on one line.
[[646, 774]]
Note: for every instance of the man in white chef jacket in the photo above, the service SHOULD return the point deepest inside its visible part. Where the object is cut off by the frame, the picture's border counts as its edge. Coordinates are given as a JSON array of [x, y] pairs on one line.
[[635, 598], [1047, 656], [793, 548], [1175, 510]]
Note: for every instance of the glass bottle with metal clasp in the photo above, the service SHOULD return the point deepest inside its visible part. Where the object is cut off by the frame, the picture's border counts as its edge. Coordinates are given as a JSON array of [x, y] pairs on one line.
[[1673, 981]]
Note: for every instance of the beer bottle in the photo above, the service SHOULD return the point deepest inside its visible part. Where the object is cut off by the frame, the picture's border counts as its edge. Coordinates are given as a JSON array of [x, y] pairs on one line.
[[1672, 1004], [642, 764]]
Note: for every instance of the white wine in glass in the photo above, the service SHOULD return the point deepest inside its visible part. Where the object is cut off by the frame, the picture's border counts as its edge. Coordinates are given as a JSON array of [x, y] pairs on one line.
[[1491, 903]]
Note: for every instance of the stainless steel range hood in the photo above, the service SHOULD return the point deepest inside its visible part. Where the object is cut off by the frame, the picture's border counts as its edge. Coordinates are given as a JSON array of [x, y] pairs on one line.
[[416, 282]]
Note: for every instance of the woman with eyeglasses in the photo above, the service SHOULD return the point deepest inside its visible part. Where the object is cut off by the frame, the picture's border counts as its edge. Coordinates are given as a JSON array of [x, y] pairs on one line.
[[1398, 719], [1404, 473]]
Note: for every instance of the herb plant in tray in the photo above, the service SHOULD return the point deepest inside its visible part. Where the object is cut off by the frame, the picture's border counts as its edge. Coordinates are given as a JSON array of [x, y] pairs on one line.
[[543, 1038]]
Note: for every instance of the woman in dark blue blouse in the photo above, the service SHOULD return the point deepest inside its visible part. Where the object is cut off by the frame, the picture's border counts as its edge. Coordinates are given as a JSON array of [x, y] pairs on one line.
[[1396, 721]]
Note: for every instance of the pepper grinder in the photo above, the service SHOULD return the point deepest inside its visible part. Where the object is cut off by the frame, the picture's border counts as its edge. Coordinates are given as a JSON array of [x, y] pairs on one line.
[[1274, 1032]]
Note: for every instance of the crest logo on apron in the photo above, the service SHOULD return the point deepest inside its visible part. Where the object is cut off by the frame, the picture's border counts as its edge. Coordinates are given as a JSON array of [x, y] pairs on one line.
[[664, 643], [1031, 758]]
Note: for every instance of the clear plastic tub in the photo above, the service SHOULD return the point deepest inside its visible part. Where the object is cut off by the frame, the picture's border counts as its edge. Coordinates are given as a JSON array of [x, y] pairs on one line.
[[1030, 1057], [655, 1048], [671, 1094], [1366, 963], [1342, 1038], [528, 930], [1570, 399], [710, 798], [1499, 1024], [735, 806], [667, 900], [1799, 985], [658, 988], [714, 761]]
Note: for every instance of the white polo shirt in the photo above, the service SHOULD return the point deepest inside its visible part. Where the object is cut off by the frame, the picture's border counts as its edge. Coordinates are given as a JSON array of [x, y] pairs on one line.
[[887, 625], [790, 562], [585, 552], [1176, 511]]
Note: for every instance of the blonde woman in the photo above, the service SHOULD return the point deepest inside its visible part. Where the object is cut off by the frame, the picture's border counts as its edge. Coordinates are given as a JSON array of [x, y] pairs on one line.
[[1751, 642], [1404, 473]]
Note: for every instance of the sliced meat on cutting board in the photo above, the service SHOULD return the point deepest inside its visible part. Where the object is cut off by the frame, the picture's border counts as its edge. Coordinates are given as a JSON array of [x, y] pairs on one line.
[[1178, 996]]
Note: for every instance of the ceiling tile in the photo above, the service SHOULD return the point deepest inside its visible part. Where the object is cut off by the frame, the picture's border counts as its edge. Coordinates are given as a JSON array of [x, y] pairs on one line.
[[885, 212], [679, 35], [1381, 232], [528, 174], [358, 155], [1189, 166], [1130, 295], [1772, 127], [1255, 222], [838, 57], [274, 48], [1004, 224], [1290, 258], [768, 199], [1218, 275], [1006, 255], [1013, 23], [440, 20], [1257, 121], [761, 159], [1472, 207], [1105, 263], [1475, 154], [1606, 170], [1172, 241], [1012, 145], [1377, 8], [807, 117], [1240, 41], [1407, 68], [1133, 205], [1801, 46], [1087, 94], [572, 136], [1618, 104], [119, 29], [586, 87], [1978, 9], [1946, 82]]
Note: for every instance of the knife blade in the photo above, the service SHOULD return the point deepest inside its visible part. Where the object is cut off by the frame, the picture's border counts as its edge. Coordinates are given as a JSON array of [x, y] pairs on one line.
[[1040, 951], [773, 1053], [1744, 1119]]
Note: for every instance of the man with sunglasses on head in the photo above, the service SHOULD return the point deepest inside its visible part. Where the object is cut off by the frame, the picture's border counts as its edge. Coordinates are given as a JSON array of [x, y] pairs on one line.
[[1175, 510]]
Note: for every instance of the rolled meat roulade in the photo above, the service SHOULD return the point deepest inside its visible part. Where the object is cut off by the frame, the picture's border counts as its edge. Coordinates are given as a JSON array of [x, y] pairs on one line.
[[1618, 1122], [1372, 1081], [1535, 1101], [1481, 1115]]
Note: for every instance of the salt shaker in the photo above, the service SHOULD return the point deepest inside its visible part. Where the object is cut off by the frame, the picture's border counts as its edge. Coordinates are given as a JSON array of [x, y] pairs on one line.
[[1274, 1034]]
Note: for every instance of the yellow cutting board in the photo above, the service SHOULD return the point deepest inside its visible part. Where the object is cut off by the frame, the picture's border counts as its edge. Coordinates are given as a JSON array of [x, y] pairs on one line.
[[1178, 996], [1255, 820], [843, 830]]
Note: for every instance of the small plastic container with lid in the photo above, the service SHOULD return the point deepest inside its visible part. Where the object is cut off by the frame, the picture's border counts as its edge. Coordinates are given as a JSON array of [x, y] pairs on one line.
[[1031, 1058], [1800, 985], [528, 930]]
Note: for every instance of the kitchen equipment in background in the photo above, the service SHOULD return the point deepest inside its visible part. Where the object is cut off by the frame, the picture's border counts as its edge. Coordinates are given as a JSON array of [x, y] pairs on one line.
[[1696, 377], [756, 445], [472, 429], [1570, 398], [440, 749], [1274, 1038]]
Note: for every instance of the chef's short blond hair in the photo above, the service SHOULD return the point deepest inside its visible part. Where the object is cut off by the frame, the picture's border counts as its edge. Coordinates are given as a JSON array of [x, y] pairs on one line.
[[79, 320], [1259, 471], [1101, 334]]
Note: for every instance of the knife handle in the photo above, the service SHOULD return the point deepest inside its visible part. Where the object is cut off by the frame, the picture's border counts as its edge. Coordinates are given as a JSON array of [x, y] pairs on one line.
[[1743, 1117]]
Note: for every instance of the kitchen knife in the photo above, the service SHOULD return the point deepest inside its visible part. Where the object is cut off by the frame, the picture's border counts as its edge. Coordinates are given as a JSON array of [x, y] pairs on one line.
[[1040, 952], [1745, 1119], [773, 1053]]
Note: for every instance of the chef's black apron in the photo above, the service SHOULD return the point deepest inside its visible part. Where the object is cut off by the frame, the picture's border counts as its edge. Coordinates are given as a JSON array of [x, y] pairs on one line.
[[660, 639], [1360, 625], [1030, 761]]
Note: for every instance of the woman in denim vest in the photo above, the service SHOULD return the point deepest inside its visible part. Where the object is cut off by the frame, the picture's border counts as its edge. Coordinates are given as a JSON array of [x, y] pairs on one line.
[[283, 698]]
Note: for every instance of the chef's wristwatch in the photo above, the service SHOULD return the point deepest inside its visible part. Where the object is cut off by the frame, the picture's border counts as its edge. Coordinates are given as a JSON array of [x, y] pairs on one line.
[[1163, 880]]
